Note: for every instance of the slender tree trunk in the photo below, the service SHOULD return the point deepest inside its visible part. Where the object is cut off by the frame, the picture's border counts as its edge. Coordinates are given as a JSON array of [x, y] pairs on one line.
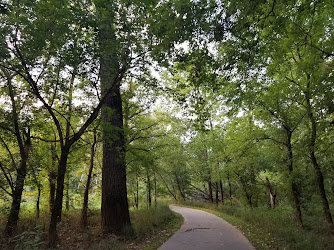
[[230, 187], [331, 184], [221, 191], [217, 193], [210, 190], [17, 192], [155, 190], [294, 187], [58, 202], [249, 199], [136, 201], [89, 177], [179, 187], [38, 201], [67, 202], [52, 186], [52, 177], [166, 185], [137, 191], [318, 172], [21, 171], [272, 194], [247, 190], [148, 191]]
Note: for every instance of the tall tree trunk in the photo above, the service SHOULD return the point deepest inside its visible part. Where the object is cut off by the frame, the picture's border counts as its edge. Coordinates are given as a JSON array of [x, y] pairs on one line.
[[89, 177], [221, 191], [294, 187], [318, 172], [115, 215]]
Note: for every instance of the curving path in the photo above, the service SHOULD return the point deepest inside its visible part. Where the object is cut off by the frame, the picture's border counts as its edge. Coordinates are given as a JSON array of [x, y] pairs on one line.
[[202, 230]]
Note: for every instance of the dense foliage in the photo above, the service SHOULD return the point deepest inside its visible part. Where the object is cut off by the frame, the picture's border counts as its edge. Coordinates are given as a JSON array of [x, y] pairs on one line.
[[126, 102]]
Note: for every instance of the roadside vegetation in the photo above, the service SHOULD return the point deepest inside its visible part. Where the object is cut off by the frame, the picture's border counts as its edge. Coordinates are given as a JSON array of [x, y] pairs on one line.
[[151, 228], [267, 229]]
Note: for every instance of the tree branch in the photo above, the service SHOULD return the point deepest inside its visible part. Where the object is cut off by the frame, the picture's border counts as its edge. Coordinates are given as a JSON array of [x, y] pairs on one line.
[[7, 178]]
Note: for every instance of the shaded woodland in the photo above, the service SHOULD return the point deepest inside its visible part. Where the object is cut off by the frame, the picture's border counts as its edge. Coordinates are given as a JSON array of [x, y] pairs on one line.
[[113, 106]]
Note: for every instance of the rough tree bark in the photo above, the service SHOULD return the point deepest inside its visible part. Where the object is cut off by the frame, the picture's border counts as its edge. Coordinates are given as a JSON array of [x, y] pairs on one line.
[[114, 208]]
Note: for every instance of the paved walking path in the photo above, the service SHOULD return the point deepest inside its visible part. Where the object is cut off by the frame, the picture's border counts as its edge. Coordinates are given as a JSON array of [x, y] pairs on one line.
[[202, 230]]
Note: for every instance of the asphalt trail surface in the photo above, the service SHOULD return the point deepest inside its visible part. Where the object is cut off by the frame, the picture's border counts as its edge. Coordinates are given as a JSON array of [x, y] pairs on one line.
[[202, 230]]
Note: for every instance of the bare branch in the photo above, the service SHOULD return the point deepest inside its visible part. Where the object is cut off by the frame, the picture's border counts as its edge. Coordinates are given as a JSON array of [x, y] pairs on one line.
[[7, 178]]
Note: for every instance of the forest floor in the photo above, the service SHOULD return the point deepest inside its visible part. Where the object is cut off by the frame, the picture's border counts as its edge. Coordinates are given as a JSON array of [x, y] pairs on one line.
[[152, 227], [273, 229]]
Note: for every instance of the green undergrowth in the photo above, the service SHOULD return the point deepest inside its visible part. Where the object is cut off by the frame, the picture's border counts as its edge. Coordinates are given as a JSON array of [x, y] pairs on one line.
[[151, 228], [273, 229]]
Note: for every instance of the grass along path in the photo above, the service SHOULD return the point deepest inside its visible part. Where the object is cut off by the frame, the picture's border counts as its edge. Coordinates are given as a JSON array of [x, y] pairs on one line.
[[267, 229]]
